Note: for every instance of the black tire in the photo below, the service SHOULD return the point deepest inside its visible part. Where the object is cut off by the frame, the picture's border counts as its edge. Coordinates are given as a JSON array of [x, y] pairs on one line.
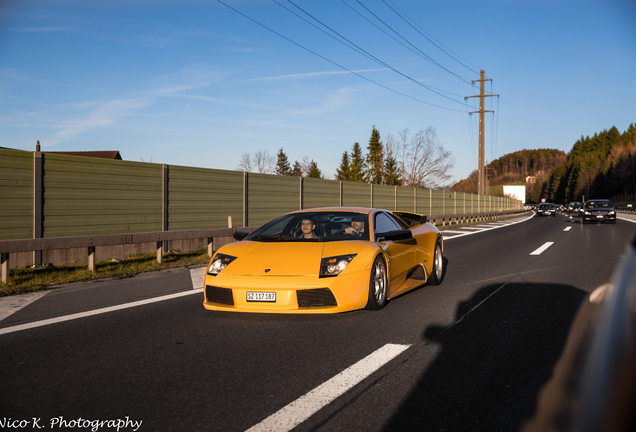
[[437, 276], [378, 284]]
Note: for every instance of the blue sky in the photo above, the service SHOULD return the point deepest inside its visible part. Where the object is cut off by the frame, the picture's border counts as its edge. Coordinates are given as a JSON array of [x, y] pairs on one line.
[[195, 83]]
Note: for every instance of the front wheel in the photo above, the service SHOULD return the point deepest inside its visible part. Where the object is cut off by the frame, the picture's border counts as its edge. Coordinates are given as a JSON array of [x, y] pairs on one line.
[[377, 284], [438, 266]]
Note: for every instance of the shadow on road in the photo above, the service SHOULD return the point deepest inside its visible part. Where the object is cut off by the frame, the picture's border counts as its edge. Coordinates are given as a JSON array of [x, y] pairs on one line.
[[493, 360]]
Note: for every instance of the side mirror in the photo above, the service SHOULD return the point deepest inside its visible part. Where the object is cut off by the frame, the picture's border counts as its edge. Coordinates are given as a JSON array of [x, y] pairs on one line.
[[394, 235], [240, 235]]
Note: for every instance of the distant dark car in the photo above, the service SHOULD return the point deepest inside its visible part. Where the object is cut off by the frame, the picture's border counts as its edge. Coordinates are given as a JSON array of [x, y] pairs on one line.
[[598, 211], [574, 207], [546, 209]]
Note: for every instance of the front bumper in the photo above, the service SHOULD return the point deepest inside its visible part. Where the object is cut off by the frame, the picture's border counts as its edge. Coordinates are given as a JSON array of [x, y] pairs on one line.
[[599, 217], [294, 294]]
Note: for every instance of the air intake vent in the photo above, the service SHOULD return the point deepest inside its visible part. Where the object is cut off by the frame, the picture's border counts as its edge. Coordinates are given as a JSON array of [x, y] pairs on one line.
[[219, 295], [315, 298]]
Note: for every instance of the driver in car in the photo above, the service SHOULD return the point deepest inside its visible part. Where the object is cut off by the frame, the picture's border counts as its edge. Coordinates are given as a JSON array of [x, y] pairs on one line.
[[356, 229]]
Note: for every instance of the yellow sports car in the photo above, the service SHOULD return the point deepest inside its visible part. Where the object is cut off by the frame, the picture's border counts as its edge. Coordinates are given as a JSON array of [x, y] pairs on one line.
[[325, 260]]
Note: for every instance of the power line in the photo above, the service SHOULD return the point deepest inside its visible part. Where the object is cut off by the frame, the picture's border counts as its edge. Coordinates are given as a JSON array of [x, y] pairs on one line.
[[395, 39], [393, 8], [332, 62], [428, 57], [376, 59], [321, 30]]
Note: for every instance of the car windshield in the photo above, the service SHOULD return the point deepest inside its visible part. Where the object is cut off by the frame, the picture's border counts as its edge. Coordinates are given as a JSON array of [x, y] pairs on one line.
[[546, 206], [598, 204], [314, 227]]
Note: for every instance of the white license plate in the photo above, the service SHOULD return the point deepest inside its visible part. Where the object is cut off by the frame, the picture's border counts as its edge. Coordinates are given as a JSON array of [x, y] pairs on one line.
[[261, 297], [600, 217]]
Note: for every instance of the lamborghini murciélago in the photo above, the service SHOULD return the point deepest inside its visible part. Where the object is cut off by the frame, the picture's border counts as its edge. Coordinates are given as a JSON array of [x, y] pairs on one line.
[[325, 260]]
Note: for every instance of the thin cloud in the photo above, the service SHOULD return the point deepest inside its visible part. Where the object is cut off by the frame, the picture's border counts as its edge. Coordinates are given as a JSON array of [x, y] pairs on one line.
[[104, 114], [50, 29], [310, 75]]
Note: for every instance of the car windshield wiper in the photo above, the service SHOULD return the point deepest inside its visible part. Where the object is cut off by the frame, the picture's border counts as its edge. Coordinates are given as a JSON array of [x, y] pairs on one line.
[[274, 237]]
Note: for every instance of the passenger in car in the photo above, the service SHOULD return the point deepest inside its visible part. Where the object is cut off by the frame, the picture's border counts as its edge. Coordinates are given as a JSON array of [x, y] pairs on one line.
[[307, 227]]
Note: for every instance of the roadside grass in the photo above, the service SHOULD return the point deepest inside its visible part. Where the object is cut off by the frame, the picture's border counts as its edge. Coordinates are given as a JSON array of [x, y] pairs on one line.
[[26, 280]]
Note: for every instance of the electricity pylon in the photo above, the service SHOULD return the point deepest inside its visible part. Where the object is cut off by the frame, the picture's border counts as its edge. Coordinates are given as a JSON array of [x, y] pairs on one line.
[[481, 183]]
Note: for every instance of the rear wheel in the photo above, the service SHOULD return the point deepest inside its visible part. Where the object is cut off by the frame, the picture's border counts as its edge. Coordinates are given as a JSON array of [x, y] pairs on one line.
[[438, 266], [377, 284]]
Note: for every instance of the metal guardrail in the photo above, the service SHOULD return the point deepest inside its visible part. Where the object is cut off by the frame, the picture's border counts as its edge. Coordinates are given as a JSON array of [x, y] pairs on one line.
[[469, 217], [625, 209], [90, 242]]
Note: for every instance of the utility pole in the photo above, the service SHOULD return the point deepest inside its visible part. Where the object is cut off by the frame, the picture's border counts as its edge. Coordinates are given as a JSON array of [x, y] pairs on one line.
[[481, 183]]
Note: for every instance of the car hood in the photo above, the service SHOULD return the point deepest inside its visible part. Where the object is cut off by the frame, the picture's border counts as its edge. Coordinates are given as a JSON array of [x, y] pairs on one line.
[[277, 259]]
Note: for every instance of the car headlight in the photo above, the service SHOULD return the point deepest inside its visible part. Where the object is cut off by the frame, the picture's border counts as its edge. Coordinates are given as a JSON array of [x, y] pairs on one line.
[[612, 212], [332, 266], [219, 262], [588, 213]]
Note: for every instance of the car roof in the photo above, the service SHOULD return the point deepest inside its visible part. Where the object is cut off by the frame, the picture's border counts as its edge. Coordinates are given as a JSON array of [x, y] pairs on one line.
[[366, 210]]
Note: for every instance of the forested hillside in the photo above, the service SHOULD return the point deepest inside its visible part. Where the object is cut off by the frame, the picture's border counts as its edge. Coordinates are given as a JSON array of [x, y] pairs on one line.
[[514, 168], [602, 166]]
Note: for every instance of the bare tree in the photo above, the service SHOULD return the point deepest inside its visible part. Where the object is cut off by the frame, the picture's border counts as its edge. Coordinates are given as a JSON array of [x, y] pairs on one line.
[[261, 161], [402, 147], [305, 166], [427, 163], [264, 162], [245, 163]]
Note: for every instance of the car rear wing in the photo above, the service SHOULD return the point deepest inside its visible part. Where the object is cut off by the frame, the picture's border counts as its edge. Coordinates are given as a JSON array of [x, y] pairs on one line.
[[411, 219]]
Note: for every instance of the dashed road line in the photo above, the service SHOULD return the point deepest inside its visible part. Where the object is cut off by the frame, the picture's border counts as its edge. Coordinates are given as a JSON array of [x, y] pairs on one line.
[[567, 228], [542, 248], [304, 407]]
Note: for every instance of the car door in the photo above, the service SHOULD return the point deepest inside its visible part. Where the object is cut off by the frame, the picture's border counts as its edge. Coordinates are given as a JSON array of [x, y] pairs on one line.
[[401, 253]]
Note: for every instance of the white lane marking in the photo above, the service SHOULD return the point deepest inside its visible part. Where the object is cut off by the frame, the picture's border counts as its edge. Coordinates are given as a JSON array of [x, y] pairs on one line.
[[567, 228], [304, 407], [473, 228], [542, 248], [45, 322], [497, 227], [198, 277], [625, 219], [452, 232], [11, 304]]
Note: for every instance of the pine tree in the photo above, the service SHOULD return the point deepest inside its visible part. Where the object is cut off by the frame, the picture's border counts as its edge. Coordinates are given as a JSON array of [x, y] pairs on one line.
[[344, 171], [392, 175], [282, 164], [297, 170], [314, 172], [375, 158], [356, 167]]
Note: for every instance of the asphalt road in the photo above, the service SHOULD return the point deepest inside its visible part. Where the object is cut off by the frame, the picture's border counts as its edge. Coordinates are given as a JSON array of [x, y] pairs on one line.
[[473, 352]]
